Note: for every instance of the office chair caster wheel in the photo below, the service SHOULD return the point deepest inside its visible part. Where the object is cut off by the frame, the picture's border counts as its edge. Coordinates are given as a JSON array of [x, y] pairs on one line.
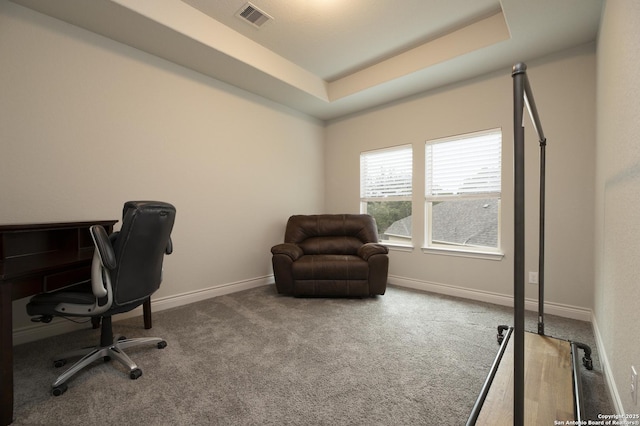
[[162, 344], [59, 390], [59, 363], [135, 373]]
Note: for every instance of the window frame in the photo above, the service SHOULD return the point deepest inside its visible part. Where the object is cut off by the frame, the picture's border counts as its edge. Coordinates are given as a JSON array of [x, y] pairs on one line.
[[484, 252], [389, 198]]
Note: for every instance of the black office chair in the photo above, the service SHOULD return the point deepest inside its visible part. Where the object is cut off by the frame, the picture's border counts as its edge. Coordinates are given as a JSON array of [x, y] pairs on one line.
[[126, 270]]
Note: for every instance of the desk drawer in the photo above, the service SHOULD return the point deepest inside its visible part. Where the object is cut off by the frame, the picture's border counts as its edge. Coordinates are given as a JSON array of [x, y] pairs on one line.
[[67, 278]]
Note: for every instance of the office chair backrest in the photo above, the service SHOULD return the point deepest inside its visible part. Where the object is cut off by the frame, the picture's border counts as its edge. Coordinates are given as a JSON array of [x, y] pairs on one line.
[[139, 247]]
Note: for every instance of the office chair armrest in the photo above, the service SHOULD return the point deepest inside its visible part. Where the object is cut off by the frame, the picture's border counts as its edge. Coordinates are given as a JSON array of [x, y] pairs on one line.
[[169, 248], [103, 246], [103, 258], [291, 250], [369, 249]]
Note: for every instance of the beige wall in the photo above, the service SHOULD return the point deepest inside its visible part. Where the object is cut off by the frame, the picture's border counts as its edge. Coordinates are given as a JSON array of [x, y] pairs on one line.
[[566, 102], [617, 226], [87, 123]]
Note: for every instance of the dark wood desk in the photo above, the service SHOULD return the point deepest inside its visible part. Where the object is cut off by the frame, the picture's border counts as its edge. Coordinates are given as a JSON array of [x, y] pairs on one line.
[[37, 258]]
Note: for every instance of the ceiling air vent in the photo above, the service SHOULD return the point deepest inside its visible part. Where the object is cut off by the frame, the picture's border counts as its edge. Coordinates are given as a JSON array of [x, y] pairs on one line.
[[252, 15]]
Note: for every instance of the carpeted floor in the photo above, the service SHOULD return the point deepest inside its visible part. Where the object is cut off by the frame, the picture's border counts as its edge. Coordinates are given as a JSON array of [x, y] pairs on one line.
[[256, 358]]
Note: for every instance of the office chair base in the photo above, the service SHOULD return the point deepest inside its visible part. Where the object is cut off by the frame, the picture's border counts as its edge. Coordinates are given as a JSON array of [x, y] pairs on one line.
[[89, 355]]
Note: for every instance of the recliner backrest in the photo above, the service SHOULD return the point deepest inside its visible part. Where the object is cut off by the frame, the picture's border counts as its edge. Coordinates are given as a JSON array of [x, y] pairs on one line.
[[331, 234], [139, 248]]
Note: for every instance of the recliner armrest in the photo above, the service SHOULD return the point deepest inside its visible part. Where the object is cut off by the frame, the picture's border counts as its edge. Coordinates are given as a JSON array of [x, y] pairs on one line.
[[369, 249], [291, 250]]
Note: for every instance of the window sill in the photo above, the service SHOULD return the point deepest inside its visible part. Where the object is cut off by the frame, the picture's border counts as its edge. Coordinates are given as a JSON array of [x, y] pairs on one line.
[[487, 255]]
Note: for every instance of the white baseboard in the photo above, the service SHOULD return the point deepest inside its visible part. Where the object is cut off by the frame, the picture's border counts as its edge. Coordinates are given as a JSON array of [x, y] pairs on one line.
[[60, 326], [566, 311], [606, 370], [168, 302]]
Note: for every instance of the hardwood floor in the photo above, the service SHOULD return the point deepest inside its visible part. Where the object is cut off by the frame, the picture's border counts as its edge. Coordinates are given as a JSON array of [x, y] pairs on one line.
[[548, 384]]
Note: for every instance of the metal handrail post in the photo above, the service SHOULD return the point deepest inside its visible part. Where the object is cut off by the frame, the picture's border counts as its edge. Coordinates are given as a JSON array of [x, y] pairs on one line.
[[519, 78]]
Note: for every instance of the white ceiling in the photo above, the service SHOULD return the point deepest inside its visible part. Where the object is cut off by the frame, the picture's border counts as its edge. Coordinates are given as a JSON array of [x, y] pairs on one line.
[[328, 58], [333, 38]]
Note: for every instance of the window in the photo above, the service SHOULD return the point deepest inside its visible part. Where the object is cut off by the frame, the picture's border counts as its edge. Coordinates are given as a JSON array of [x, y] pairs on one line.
[[386, 190], [463, 184]]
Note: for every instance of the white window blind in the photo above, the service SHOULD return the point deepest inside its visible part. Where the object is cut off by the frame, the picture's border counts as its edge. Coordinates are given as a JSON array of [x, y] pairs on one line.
[[464, 165], [386, 173]]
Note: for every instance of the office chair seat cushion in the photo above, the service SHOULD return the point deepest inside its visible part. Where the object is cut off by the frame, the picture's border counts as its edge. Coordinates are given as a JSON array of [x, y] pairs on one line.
[[45, 303]]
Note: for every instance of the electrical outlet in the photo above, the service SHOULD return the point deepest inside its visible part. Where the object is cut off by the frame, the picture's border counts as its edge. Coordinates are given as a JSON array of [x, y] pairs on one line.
[[533, 278], [634, 385]]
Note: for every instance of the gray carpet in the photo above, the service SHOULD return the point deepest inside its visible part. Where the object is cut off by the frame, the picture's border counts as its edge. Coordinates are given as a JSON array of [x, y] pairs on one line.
[[256, 358]]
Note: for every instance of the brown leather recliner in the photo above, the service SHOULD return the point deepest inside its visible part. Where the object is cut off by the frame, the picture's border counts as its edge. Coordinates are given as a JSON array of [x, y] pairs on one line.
[[331, 255]]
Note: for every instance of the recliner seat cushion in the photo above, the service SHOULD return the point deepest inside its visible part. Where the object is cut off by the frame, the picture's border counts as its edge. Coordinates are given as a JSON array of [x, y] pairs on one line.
[[330, 267]]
